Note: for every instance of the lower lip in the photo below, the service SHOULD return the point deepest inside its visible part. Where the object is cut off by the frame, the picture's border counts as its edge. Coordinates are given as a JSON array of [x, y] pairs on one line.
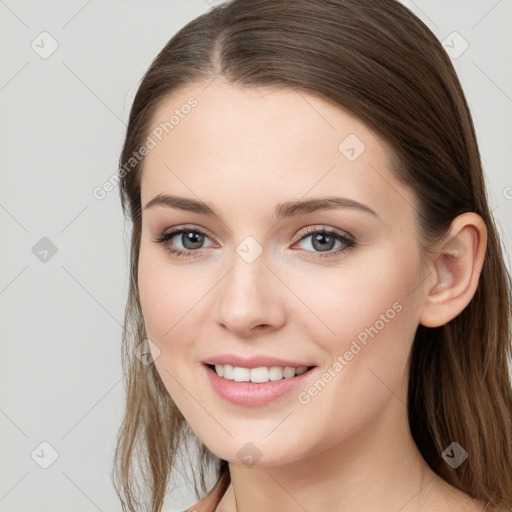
[[251, 394]]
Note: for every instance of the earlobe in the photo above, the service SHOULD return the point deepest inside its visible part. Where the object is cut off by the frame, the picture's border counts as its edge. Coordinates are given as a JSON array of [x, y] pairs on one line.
[[457, 267]]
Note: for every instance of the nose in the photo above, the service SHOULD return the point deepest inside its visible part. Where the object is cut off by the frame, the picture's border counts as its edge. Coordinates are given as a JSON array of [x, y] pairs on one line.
[[251, 299]]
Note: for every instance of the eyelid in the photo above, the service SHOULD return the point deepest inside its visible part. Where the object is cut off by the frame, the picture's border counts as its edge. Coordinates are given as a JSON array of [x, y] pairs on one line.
[[344, 237], [175, 230], [319, 228], [307, 231]]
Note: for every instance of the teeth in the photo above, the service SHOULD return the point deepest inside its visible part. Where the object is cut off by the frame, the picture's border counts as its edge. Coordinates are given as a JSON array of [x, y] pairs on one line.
[[275, 372], [258, 375], [241, 374]]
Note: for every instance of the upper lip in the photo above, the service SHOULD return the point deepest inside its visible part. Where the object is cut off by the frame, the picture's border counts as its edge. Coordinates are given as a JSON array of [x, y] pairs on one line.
[[254, 361]]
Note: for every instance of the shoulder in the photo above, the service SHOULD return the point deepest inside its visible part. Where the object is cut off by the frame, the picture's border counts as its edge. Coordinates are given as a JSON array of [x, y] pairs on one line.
[[206, 504], [443, 496], [498, 508], [198, 507], [210, 502]]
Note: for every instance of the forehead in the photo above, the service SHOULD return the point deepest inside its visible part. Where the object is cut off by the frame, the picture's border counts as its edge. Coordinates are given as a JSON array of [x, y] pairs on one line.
[[264, 143]]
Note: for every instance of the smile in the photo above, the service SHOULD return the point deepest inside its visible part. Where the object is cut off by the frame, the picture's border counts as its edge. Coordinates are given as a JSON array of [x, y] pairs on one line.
[[259, 375], [236, 384]]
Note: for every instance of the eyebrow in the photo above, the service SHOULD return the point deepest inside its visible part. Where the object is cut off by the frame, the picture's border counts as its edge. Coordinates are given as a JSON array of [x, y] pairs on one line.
[[283, 210]]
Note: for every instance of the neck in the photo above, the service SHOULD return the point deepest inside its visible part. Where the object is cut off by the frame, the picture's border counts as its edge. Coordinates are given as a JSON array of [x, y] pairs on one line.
[[377, 468]]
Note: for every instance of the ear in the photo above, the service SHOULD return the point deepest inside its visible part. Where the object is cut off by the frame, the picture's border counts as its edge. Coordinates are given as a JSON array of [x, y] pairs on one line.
[[456, 270]]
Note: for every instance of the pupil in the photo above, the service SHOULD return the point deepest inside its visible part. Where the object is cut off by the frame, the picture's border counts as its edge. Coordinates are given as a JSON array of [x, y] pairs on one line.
[[322, 246], [193, 238]]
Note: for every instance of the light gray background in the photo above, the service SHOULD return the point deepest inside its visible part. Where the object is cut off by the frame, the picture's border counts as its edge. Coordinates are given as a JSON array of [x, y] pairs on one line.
[[62, 126]]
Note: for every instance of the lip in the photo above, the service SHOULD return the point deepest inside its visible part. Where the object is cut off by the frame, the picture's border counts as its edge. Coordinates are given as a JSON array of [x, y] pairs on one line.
[[255, 361], [251, 394]]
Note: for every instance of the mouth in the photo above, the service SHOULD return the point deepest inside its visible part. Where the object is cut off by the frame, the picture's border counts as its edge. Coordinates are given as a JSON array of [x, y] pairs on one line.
[[236, 385], [259, 375]]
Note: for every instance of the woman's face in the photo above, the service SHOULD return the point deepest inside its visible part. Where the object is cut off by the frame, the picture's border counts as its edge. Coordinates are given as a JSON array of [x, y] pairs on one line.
[[264, 282]]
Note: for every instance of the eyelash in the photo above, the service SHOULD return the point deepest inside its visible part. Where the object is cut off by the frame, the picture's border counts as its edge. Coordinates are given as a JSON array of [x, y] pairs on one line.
[[164, 237]]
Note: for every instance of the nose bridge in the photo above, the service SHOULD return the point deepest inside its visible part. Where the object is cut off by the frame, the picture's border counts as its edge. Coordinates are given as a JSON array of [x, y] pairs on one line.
[[248, 296]]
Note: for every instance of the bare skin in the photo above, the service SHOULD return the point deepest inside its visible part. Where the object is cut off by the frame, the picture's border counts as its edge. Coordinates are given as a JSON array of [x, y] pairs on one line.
[[244, 151]]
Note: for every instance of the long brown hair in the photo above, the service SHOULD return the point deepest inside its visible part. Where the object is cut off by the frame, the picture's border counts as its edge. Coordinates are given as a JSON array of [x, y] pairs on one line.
[[381, 62]]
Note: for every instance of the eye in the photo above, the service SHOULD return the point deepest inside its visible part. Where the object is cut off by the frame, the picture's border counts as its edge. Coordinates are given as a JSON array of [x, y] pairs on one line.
[[191, 240], [324, 240]]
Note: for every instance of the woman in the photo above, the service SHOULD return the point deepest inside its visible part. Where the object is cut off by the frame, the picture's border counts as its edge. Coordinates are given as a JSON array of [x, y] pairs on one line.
[[318, 298]]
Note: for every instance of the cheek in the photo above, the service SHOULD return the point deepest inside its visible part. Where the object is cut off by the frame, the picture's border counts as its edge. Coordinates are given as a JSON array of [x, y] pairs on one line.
[[349, 298], [153, 293], [366, 312], [167, 301], [176, 306], [368, 323], [165, 295]]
